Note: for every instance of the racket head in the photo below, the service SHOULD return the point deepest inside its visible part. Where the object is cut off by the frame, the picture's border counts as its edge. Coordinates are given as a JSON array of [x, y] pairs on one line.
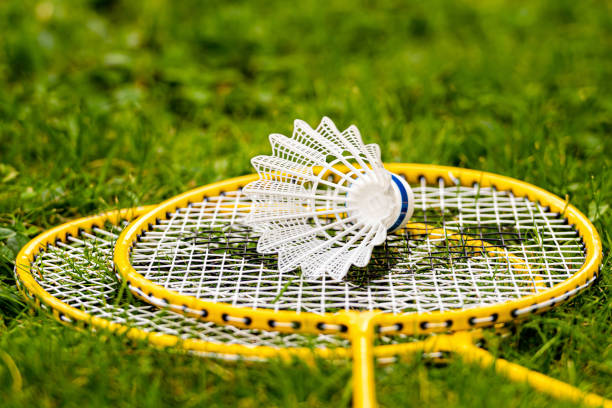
[[540, 279], [67, 271]]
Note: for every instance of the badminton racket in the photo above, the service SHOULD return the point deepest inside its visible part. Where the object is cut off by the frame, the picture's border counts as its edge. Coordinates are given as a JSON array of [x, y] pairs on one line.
[[481, 249]]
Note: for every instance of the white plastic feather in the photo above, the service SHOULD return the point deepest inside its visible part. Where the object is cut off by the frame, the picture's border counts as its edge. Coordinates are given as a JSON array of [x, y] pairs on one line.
[[324, 200]]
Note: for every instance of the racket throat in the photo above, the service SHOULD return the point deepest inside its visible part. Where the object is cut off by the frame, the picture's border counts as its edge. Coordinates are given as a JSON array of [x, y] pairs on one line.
[[361, 333]]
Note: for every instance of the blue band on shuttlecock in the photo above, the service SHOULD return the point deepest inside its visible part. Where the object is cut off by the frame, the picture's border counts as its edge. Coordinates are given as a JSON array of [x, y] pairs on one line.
[[405, 203]]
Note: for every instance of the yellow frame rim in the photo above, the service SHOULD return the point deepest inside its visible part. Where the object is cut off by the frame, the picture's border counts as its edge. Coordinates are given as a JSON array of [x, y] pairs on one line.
[[342, 322]]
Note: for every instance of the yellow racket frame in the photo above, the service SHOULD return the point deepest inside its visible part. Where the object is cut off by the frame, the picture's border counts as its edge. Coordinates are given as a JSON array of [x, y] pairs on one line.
[[409, 323], [360, 327]]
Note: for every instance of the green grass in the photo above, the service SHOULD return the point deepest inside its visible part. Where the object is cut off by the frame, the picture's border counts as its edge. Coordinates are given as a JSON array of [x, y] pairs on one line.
[[107, 104]]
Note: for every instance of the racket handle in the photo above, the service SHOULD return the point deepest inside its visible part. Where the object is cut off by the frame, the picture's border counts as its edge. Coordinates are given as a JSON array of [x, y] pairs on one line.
[[538, 381], [362, 338]]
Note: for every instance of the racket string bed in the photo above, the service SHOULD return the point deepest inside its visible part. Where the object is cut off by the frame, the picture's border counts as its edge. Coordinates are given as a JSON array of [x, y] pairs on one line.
[[79, 273], [465, 247]]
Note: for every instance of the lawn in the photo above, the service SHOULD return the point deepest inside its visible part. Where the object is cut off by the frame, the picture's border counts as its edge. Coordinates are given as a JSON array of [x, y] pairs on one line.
[[111, 104]]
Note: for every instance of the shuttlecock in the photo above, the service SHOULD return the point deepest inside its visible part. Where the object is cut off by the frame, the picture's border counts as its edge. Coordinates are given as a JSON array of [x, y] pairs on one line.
[[323, 200]]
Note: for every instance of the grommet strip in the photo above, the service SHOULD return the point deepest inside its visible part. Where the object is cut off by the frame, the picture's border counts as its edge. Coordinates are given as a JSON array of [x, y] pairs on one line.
[[332, 327]]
